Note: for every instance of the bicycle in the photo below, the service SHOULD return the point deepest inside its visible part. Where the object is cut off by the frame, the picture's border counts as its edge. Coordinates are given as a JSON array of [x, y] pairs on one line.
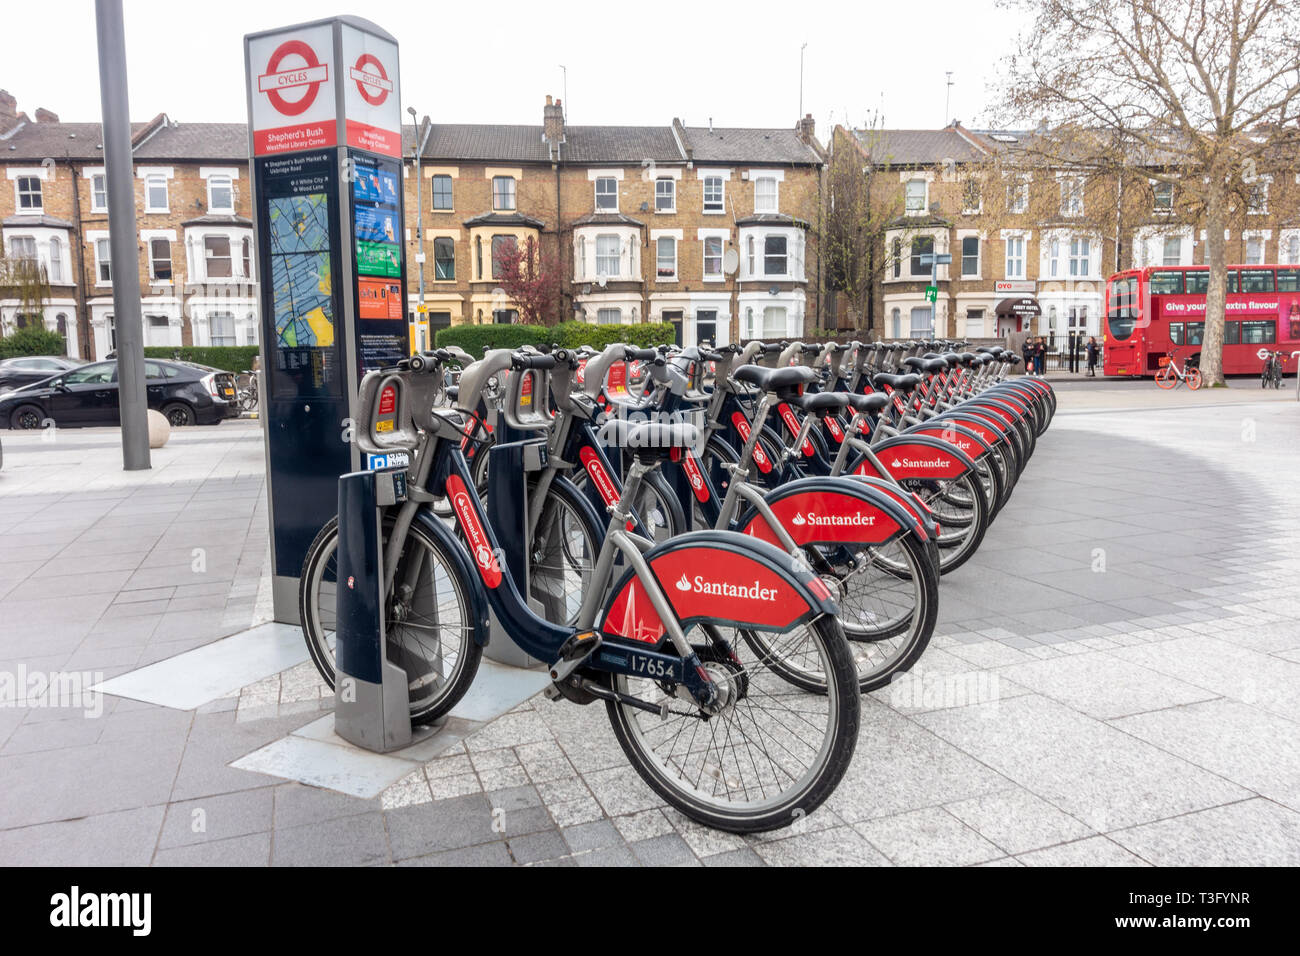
[[246, 390], [1271, 375], [712, 725], [1170, 375]]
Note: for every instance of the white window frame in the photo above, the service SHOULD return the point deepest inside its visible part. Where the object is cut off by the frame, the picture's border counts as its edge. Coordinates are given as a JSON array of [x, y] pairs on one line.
[[1072, 187], [203, 249], [671, 193], [610, 193], [785, 257], [602, 315], [1157, 188], [1019, 243], [149, 254], [1080, 257], [1164, 250], [966, 184], [775, 205], [1018, 188], [221, 180], [100, 244], [907, 197], [979, 254], [54, 268], [605, 238], [720, 274], [151, 182], [722, 195], [39, 195], [514, 194], [660, 276], [97, 192], [234, 330], [24, 239]]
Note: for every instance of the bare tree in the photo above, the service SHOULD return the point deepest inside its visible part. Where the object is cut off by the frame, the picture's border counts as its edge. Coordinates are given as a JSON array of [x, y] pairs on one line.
[[862, 207], [1202, 94]]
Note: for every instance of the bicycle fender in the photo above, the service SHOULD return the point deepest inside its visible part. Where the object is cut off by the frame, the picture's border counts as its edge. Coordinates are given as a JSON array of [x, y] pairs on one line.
[[918, 456], [716, 577], [829, 511], [990, 430], [971, 444], [464, 569]]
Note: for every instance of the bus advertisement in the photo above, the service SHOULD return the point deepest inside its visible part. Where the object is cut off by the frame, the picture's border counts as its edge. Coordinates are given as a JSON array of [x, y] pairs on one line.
[[1158, 311]]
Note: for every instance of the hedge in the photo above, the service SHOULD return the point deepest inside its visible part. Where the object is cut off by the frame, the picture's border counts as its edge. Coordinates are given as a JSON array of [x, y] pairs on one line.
[[474, 338], [227, 358], [33, 340]]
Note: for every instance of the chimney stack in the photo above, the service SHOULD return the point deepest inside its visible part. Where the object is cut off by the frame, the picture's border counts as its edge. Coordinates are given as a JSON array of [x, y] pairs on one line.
[[8, 110], [805, 129], [553, 121], [45, 116]]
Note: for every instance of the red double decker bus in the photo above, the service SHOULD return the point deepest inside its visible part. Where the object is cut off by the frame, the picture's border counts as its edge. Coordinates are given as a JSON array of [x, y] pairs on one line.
[[1154, 311]]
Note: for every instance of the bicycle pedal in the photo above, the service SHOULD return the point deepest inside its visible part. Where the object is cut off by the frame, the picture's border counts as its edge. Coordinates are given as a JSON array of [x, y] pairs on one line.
[[580, 646]]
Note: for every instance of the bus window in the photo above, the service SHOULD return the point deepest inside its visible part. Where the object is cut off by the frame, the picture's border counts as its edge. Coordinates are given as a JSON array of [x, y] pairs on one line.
[[1258, 332], [1122, 314], [1231, 333], [1198, 283], [1195, 332], [1232, 281], [1256, 280], [1176, 333], [1288, 280], [1167, 282]]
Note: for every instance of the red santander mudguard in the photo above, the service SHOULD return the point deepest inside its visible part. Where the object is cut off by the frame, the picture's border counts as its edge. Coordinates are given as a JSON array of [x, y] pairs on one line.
[[717, 577], [830, 511], [916, 456]]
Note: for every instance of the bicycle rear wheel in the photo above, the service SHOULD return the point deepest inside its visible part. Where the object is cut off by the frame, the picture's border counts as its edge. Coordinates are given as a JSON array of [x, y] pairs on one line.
[[1194, 379], [769, 755]]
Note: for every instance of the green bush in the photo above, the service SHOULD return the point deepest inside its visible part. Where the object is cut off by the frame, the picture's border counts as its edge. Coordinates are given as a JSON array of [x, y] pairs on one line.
[[33, 340], [474, 338], [227, 358]]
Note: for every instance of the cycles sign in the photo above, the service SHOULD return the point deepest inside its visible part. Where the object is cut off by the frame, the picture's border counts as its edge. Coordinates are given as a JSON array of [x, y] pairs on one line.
[[290, 87], [294, 85]]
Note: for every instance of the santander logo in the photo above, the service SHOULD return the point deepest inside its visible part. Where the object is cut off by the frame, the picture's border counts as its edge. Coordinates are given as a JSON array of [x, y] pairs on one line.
[[483, 556], [918, 463], [748, 592], [857, 519]]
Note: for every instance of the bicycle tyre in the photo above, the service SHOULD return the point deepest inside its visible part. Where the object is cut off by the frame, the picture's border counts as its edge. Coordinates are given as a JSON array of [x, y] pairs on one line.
[[423, 708], [700, 801]]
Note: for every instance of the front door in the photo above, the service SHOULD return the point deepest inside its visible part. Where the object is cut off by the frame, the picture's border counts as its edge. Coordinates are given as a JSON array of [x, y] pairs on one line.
[[706, 326], [674, 316]]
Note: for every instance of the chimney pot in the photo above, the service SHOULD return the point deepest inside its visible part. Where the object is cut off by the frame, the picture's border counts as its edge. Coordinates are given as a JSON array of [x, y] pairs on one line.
[[46, 116], [548, 99]]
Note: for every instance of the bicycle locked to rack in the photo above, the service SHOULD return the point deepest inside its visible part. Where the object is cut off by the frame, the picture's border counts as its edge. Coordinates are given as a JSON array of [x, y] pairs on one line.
[[682, 640]]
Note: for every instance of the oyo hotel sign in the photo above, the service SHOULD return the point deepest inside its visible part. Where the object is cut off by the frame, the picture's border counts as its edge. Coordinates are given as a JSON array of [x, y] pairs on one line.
[[295, 77]]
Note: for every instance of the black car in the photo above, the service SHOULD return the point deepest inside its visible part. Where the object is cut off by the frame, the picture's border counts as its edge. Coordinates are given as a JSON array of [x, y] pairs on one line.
[[187, 394], [27, 369]]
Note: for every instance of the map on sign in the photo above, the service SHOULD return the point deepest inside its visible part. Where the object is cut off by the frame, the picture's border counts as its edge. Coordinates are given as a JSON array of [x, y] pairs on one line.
[[301, 280]]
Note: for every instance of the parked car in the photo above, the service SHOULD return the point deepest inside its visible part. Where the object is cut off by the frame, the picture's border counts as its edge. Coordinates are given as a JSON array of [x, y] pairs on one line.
[[187, 394], [26, 369]]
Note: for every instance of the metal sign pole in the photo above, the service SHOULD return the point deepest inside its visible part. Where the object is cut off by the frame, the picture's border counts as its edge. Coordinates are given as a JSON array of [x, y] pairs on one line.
[[119, 170]]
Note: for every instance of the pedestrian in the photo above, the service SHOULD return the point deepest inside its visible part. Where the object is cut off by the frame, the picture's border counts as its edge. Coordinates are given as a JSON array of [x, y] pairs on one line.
[[1040, 357], [1092, 356], [1027, 352]]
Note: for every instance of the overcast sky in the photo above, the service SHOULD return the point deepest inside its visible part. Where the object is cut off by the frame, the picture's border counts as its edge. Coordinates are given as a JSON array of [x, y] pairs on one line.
[[493, 61]]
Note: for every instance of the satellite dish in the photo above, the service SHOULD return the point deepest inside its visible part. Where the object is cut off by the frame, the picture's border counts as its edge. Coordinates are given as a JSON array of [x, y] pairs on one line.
[[731, 262], [601, 281]]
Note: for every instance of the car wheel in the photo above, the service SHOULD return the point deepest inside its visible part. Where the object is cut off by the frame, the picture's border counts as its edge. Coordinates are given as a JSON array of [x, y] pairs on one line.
[[178, 415], [27, 417]]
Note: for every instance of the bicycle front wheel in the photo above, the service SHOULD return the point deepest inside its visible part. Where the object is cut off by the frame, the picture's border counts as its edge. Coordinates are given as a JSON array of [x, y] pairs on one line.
[[429, 626], [1165, 378], [769, 755]]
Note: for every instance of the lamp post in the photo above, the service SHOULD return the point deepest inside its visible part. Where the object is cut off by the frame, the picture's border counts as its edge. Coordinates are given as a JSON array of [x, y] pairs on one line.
[[419, 222]]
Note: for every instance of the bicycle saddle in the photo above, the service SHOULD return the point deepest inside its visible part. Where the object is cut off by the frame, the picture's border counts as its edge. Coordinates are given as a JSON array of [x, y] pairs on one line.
[[868, 404], [901, 383], [821, 401], [774, 379]]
